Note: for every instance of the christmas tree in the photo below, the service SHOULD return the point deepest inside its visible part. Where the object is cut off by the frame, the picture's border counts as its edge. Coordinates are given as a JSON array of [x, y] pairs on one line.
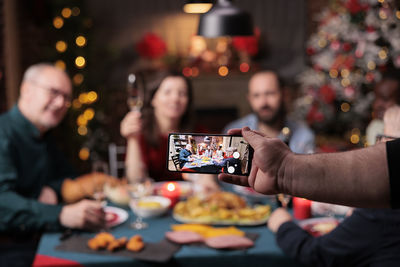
[[355, 42]]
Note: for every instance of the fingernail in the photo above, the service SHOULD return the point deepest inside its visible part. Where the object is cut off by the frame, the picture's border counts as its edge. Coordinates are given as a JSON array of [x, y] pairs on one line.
[[246, 129]]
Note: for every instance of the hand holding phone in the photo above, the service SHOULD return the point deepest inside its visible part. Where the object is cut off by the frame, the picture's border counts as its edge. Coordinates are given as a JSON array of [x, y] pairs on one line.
[[213, 154]]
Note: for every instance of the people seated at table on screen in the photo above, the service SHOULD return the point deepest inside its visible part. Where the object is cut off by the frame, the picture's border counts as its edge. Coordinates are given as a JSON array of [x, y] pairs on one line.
[[184, 155]]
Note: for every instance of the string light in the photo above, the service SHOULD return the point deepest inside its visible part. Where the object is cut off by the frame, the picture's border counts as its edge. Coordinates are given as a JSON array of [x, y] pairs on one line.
[[333, 73], [75, 11], [60, 64], [244, 67], [76, 104], [322, 43], [66, 12], [83, 98], [77, 79], [355, 139], [80, 62], [345, 73], [61, 46], [80, 41], [88, 114], [345, 82], [81, 120], [91, 96], [84, 153], [195, 71], [58, 22], [223, 71], [398, 14], [382, 54], [371, 65], [345, 107], [82, 130], [382, 14], [187, 72]]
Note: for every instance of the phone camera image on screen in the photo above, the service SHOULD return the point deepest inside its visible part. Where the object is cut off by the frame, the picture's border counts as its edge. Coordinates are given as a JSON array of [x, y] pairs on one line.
[[202, 153]]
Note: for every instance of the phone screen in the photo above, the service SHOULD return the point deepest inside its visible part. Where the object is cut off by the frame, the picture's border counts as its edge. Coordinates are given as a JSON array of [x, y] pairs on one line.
[[205, 153]]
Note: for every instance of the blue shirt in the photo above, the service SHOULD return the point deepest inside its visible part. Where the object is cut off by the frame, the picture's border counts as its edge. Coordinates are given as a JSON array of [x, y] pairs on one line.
[[184, 156], [302, 139]]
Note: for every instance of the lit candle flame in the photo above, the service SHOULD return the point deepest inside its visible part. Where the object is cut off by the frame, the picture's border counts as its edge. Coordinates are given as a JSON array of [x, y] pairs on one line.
[[171, 187]]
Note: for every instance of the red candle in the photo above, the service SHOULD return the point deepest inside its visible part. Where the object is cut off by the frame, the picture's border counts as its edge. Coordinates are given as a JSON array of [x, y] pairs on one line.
[[172, 191], [301, 208]]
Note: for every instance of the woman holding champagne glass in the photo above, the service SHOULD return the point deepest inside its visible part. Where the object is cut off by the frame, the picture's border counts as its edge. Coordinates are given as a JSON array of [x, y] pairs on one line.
[[166, 109]]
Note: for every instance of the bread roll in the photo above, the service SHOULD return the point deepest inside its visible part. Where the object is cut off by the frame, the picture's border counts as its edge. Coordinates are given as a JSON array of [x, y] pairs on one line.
[[84, 186]]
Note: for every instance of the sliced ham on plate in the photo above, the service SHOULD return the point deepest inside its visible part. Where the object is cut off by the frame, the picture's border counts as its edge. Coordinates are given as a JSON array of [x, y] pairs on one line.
[[229, 242], [184, 237]]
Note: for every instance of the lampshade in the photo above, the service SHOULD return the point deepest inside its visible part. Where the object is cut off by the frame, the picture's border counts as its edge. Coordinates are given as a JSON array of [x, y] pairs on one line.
[[225, 19], [197, 6]]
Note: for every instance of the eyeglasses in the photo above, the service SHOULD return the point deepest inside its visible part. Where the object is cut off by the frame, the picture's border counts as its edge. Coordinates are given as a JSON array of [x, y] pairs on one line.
[[383, 137], [55, 93]]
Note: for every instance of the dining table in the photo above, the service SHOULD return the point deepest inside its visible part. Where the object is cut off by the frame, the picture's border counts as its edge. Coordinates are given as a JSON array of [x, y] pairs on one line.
[[265, 251]]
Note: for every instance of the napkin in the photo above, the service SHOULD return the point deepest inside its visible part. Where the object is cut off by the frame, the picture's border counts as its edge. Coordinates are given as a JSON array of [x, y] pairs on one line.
[[162, 251]]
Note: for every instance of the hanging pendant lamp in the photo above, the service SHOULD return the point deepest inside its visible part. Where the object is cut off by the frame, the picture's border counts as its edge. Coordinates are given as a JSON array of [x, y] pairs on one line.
[[225, 19]]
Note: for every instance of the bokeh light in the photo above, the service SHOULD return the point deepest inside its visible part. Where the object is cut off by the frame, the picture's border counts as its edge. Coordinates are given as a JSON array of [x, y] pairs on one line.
[[66, 12], [61, 46], [80, 62], [58, 22], [84, 153], [60, 64], [80, 41], [223, 71], [77, 79], [244, 67]]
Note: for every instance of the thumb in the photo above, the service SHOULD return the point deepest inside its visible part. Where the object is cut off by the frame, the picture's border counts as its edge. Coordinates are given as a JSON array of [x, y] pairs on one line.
[[254, 138]]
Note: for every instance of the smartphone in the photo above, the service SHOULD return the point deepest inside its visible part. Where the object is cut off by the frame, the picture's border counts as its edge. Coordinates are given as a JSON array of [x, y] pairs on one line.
[[209, 153]]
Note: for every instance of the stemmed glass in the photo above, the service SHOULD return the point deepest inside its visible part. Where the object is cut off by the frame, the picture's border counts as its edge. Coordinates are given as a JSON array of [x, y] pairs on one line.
[[284, 200], [137, 190], [98, 183], [135, 94]]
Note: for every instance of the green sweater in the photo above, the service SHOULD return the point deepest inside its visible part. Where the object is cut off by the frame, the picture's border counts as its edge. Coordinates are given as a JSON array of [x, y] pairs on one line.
[[28, 162]]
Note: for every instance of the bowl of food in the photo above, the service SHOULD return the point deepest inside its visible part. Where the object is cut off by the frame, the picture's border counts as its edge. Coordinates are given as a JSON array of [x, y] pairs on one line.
[[150, 206]]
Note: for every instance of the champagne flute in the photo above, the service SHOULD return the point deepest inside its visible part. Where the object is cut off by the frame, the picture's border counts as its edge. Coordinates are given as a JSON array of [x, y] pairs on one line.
[[98, 181], [135, 95], [139, 189]]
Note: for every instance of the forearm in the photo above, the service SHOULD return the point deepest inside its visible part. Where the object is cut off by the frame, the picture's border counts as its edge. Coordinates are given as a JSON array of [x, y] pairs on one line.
[[134, 164], [22, 215], [356, 178]]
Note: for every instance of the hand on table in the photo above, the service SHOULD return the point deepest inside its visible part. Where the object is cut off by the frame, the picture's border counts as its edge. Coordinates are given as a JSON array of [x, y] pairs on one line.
[[277, 218], [269, 157], [131, 125], [48, 196], [85, 214]]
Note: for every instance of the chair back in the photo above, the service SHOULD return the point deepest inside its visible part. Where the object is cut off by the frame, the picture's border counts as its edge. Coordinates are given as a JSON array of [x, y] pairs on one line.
[[116, 159]]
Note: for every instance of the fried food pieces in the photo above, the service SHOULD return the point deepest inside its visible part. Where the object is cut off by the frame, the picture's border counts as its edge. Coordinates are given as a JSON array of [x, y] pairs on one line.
[[135, 244], [107, 241]]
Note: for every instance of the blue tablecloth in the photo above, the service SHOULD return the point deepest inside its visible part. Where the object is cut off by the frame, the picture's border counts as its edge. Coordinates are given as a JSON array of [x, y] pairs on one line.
[[264, 253]]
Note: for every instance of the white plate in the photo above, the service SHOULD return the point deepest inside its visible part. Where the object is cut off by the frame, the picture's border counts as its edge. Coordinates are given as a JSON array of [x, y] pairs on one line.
[[311, 225], [115, 216], [211, 221]]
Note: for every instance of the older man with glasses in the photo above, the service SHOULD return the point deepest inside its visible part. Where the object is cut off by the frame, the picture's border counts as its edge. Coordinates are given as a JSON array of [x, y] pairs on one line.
[[32, 169]]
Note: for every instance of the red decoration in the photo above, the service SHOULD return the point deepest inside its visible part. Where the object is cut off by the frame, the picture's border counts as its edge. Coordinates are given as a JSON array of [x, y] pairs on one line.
[[327, 94], [355, 7], [314, 115], [301, 208], [310, 51], [248, 44], [151, 46], [172, 191], [346, 47]]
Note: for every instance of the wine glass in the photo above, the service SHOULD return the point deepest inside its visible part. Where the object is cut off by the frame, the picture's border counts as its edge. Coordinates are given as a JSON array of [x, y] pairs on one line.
[[135, 95], [137, 190], [98, 181], [284, 200]]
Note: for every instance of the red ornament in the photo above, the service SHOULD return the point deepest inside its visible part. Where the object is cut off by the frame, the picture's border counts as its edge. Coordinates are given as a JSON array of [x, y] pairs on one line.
[[151, 46], [310, 51], [346, 47], [355, 7], [314, 115], [248, 44], [327, 94], [335, 45]]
